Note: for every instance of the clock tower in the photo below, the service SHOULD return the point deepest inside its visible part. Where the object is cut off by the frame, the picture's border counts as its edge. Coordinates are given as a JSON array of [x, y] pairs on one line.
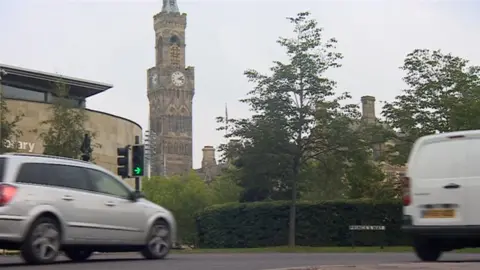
[[170, 94]]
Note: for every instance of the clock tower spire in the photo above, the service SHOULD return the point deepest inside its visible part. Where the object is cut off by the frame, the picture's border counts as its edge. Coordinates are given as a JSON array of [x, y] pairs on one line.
[[170, 6], [170, 93]]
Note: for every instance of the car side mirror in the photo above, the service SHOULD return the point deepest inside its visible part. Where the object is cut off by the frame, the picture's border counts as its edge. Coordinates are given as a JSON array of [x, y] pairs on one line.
[[135, 195]]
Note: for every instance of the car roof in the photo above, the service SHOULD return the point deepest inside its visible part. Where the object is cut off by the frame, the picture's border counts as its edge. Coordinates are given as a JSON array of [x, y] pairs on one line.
[[26, 157], [447, 135], [20, 158]]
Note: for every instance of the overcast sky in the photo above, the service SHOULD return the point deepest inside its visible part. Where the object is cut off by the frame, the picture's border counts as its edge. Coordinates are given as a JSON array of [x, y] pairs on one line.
[[113, 41]]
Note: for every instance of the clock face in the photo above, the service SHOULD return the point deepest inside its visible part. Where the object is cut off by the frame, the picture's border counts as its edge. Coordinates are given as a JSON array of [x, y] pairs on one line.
[[154, 79], [178, 79]]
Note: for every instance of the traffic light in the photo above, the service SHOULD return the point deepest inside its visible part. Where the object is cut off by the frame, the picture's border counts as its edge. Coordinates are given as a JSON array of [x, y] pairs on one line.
[[122, 161], [138, 152]]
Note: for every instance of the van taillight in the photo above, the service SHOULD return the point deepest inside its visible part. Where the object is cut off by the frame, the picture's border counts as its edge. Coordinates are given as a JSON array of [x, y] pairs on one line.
[[407, 199], [7, 192]]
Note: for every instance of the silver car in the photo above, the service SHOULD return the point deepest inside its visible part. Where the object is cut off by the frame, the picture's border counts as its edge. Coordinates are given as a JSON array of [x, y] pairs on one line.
[[50, 205]]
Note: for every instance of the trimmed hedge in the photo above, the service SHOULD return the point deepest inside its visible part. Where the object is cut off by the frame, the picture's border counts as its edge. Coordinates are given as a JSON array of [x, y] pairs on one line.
[[263, 224]]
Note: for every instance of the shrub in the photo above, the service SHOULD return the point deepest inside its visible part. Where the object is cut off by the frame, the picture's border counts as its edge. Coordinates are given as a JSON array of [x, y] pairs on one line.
[[185, 195], [238, 225]]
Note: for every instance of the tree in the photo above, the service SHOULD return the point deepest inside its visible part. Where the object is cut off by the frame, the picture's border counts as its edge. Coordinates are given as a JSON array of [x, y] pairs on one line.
[[344, 165], [322, 180], [66, 127], [9, 132], [224, 188], [261, 158], [288, 100], [442, 95]]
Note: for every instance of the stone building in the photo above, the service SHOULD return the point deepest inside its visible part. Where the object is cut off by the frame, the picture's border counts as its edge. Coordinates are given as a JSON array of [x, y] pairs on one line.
[[210, 168], [170, 93], [368, 115], [31, 92]]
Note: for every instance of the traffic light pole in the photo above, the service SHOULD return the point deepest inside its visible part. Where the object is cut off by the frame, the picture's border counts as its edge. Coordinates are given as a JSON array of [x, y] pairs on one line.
[[137, 179]]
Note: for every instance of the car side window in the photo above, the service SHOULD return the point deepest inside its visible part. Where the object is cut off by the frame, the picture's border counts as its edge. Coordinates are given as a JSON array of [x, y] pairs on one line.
[[106, 184], [54, 175], [70, 177], [34, 173]]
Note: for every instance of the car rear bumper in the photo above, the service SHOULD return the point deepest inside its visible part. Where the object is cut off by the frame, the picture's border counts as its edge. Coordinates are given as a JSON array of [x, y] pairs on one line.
[[443, 231]]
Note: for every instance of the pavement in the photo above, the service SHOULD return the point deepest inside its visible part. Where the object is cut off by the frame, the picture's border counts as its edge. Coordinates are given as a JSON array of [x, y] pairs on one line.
[[259, 261]]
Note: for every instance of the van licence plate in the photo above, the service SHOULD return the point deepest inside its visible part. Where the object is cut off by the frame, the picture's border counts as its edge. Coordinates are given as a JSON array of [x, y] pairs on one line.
[[439, 213]]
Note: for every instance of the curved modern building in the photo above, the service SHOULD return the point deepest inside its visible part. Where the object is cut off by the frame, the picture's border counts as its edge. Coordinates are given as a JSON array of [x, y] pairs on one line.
[[30, 93]]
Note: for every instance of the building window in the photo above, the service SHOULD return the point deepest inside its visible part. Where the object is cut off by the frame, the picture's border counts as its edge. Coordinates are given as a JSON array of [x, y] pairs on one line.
[[174, 40], [12, 92], [74, 102], [174, 53]]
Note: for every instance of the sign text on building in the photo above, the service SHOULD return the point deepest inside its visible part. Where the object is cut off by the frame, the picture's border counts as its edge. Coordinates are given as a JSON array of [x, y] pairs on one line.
[[26, 146]]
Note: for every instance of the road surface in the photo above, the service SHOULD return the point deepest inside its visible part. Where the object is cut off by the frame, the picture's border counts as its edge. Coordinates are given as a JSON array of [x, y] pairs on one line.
[[231, 261]]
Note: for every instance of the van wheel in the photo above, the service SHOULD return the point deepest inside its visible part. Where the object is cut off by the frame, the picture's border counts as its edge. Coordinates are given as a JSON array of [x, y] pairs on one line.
[[78, 255], [158, 241], [42, 242], [426, 249]]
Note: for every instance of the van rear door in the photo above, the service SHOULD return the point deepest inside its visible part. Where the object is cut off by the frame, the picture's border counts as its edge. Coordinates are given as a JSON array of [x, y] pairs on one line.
[[2, 168], [472, 193], [438, 177]]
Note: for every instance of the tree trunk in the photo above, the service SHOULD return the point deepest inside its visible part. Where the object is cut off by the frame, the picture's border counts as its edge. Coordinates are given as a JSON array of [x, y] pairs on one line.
[[296, 169], [293, 205], [293, 214]]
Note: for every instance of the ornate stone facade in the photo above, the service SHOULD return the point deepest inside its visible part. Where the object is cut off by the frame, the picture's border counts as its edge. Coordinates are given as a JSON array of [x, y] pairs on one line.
[[368, 115], [170, 93]]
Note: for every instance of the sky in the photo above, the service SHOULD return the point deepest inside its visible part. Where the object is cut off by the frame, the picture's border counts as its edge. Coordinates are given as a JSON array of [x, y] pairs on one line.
[[112, 41]]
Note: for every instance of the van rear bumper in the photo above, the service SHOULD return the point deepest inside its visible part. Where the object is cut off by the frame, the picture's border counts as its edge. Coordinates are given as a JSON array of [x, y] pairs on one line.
[[443, 231]]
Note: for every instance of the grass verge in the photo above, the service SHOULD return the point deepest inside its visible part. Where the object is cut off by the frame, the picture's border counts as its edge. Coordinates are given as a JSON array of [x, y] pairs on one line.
[[312, 250]]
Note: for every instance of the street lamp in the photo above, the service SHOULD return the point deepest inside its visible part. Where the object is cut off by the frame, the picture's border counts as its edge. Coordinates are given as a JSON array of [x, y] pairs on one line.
[[150, 149]]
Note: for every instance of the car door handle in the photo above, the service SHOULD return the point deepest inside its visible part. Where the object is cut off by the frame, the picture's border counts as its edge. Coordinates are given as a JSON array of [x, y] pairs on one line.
[[67, 198], [451, 186], [110, 204]]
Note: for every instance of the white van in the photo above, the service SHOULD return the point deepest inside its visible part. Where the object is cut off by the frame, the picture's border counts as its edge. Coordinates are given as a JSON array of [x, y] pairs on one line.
[[442, 193]]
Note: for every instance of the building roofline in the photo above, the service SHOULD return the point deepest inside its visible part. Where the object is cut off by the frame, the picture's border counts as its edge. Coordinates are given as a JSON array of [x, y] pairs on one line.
[[116, 116], [36, 74]]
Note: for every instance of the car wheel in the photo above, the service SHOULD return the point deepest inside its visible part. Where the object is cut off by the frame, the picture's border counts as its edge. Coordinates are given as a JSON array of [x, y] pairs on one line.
[[78, 255], [158, 241], [42, 243], [426, 249]]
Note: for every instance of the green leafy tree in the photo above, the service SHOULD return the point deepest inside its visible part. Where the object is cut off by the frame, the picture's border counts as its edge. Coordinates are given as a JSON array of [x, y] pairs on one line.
[[65, 129], [442, 95], [262, 158], [344, 165], [288, 100], [9, 132], [224, 188], [322, 180]]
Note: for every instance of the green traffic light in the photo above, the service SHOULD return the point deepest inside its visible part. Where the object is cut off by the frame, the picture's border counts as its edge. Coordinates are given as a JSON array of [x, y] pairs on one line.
[[137, 170]]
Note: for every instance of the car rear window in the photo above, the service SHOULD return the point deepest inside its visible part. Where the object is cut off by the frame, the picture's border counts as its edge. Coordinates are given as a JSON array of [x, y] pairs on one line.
[[2, 166], [447, 159]]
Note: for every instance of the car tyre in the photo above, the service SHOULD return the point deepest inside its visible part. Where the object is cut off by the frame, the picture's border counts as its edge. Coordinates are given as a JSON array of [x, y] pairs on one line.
[[426, 249], [158, 241], [42, 242], [78, 255]]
